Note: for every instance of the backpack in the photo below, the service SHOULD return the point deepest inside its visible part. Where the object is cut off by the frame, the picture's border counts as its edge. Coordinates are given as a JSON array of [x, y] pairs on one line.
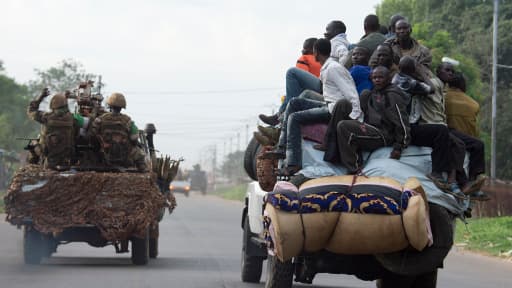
[[58, 139], [115, 139]]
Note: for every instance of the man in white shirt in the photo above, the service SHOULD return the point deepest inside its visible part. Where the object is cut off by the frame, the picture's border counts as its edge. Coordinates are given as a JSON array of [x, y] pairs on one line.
[[337, 84], [335, 32]]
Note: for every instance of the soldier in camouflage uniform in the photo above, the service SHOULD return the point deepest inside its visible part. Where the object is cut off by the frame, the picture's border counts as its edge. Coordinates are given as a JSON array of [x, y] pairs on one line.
[[116, 135], [58, 130]]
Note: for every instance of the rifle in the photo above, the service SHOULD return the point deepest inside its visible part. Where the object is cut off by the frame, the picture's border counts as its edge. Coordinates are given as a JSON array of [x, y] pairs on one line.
[[32, 143]]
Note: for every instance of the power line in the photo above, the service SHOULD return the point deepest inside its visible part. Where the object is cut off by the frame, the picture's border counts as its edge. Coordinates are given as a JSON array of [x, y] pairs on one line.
[[188, 92]]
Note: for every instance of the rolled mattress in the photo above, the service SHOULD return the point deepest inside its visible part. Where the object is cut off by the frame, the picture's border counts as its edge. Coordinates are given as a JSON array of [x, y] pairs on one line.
[[346, 215]]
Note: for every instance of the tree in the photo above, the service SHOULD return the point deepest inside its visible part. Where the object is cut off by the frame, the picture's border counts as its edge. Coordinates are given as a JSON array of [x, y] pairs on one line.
[[462, 29], [231, 167], [13, 120], [65, 76]]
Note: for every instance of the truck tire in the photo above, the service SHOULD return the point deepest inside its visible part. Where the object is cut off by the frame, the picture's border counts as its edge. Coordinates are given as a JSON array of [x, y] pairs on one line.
[[153, 244], [250, 158], [34, 246], [279, 274], [251, 265], [426, 280], [411, 262], [140, 250]]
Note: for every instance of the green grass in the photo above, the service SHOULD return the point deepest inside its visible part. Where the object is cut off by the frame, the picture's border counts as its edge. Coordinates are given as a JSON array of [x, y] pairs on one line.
[[235, 192], [491, 236]]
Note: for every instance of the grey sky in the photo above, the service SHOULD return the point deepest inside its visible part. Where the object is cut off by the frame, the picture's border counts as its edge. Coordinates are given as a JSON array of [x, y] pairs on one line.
[[200, 70]]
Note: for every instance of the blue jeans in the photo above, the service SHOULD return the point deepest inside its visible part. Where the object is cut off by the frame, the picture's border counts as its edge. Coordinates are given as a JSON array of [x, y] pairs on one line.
[[298, 112], [298, 80]]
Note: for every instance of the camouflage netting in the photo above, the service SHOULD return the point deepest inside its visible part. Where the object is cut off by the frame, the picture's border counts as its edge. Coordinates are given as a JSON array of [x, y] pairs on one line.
[[119, 204]]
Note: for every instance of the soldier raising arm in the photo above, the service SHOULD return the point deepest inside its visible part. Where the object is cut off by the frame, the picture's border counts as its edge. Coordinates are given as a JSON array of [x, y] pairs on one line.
[[58, 130]]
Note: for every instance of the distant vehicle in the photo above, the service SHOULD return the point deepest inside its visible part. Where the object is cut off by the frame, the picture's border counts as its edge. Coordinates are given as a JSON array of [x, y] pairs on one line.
[[198, 179], [182, 186]]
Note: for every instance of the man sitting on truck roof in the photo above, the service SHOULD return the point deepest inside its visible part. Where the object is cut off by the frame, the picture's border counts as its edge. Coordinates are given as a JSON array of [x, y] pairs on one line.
[[385, 123], [337, 85]]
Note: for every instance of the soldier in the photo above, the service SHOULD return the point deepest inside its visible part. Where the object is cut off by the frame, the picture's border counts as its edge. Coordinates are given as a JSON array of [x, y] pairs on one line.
[[116, 135], [58, 130]]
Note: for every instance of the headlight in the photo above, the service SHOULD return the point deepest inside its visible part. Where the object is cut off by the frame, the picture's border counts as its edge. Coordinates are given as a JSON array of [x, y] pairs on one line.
[[171, 187], [187, 187]]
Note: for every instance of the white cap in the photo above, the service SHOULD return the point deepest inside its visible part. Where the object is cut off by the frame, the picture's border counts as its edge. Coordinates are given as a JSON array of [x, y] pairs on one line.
[[450, 60]]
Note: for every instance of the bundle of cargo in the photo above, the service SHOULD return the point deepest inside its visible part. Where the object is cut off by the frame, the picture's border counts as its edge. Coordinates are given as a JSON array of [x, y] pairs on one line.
[[120, 205], [346, 215]]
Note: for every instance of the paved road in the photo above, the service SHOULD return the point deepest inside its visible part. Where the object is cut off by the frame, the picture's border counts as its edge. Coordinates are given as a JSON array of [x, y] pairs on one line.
[[200, 247]]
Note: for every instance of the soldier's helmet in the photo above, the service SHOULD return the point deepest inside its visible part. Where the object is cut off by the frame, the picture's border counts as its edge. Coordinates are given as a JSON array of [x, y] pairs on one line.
[[58, 101], [116, 100]]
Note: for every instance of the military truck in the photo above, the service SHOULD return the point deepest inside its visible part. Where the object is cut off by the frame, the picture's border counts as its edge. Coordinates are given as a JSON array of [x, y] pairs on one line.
[[92, 202], [405, 267], [97, 205], [198, 179]]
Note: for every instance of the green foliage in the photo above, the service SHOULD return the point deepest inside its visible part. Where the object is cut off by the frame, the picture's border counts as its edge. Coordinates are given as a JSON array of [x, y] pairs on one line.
[[231, 167], [65, 76], [13, 119], [463, 30], [232, 192], [489, 235], [389, 8]]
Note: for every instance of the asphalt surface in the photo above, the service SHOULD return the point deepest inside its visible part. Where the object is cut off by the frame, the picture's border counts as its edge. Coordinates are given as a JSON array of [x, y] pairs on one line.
[[200, 246]]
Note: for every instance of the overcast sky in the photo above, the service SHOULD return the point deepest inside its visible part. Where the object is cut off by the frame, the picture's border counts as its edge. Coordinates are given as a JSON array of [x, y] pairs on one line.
[[200, 70]]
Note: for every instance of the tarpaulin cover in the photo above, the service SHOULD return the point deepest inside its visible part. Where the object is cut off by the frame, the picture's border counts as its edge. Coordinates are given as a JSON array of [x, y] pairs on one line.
[[120, 205]]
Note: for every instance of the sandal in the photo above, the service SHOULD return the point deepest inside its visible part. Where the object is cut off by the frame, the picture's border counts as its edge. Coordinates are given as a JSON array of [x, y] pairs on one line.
[[289, 170], [439, 181], [320, 147], [274, 154], [479, 196], [474, 185], [454, 190]]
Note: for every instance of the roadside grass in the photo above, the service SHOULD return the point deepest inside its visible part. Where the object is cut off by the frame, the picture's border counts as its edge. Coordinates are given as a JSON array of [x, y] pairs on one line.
[[492, 236], [233, 192]]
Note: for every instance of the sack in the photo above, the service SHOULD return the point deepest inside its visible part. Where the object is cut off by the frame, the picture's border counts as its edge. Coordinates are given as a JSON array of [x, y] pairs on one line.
[[347, 218]]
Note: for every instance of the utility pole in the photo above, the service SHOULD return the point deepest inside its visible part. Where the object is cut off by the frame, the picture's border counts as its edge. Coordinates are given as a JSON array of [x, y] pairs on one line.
[[238, 141], [494, 88], [214, 164], [246, 135]]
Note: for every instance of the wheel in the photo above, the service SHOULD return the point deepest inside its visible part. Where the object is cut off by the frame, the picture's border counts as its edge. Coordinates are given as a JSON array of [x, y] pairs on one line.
[[251, 265], [250, 158], [279, 274], [34, 246], [411, 262], [140, 250], [153, 243], [187, 193], [426, 280], [153, 248]]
